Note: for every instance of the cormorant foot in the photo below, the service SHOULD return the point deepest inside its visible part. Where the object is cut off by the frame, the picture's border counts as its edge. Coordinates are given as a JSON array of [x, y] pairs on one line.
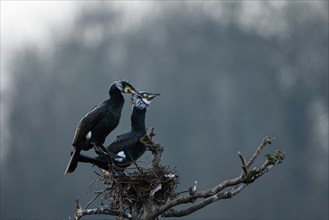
[[101, 150]]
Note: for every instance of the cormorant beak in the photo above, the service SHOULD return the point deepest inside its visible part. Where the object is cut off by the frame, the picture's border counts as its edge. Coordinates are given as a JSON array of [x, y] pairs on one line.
[[150, 96], [132, 90]]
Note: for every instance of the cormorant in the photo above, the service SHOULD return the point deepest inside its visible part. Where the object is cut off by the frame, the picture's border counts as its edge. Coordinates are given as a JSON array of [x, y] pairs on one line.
[[127, 146], [99, 122]]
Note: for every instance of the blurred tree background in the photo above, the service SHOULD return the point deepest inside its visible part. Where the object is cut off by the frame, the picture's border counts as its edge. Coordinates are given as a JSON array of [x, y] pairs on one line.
[[229, 73]]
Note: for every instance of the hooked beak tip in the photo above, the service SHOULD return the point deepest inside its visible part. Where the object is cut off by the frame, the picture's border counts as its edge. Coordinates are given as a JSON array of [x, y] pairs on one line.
[[137, 93]]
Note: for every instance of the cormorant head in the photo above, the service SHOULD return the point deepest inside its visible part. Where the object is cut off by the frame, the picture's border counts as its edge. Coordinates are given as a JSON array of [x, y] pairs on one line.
[[125, 87], [144, 101]]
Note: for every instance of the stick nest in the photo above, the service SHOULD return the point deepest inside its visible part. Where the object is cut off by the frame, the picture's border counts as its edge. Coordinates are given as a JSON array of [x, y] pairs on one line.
[[128, 191]]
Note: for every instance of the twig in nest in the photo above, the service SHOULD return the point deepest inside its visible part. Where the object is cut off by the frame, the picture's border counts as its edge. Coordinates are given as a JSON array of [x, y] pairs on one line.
[[155, 190]]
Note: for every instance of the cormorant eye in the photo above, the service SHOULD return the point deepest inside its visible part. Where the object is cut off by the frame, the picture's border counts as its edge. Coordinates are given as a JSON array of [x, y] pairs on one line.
[[128, 90]]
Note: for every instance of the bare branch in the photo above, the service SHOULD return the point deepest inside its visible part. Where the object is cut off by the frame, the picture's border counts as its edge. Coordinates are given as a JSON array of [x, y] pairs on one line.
[[243, 161], [215, 193], [100, 211], [93, 199], [149, 192], [265, 141], [203, 203], [155, 148], [192, 190], [210, 196]]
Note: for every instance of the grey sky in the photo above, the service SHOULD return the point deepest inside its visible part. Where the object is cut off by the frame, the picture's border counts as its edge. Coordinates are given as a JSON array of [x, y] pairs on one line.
[[271, 86]]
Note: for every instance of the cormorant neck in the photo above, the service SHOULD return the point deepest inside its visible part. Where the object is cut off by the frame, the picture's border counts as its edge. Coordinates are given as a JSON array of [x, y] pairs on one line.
[[138, 119], [115, 93], [116, 97]]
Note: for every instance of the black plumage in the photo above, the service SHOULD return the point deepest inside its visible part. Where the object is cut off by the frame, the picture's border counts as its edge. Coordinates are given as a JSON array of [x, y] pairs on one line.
[[127, 146], [99, 122]]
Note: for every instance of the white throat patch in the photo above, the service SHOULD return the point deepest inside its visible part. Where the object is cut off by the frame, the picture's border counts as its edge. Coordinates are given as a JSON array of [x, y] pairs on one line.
[[139, 103]]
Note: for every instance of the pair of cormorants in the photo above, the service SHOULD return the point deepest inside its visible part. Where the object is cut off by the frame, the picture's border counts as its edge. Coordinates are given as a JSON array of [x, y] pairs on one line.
[[128, 145], [94, 127]]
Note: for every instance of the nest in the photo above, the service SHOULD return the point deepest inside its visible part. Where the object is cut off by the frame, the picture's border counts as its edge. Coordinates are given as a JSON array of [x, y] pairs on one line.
[[134, 189], [128, 191]]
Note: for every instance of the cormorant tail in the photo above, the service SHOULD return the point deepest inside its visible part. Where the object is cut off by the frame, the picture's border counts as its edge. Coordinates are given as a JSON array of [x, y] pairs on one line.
[[103, 164], [73, 163]]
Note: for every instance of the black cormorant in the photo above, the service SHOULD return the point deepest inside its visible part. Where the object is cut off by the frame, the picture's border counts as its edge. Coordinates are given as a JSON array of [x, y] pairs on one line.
[[127, 146], [99, 122]]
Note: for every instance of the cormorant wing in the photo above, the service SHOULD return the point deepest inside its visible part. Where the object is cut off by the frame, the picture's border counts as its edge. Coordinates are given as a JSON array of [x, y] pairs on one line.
[[123, 141], [87, 123]]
